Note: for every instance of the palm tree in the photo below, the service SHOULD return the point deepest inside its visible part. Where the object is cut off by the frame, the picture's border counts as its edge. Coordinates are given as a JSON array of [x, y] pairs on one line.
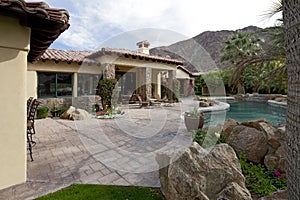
[[237, 48], [291, 19]]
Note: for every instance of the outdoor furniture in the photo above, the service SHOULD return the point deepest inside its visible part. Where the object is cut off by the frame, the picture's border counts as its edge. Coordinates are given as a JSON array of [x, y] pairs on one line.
[[154, 102], [29, 101], [30, 125], [143, 103]]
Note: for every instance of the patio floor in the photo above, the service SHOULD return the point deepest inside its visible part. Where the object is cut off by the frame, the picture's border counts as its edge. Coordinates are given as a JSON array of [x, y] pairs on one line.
[[112, 152]]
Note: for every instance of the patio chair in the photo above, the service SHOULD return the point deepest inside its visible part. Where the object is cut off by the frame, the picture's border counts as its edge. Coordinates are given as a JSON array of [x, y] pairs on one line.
[[30, 125], [143, 103], [156, 101], [29, 101]]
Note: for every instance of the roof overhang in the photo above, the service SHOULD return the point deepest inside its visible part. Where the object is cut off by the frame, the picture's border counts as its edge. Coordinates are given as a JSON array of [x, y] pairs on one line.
[[191, 74], [46, 23]]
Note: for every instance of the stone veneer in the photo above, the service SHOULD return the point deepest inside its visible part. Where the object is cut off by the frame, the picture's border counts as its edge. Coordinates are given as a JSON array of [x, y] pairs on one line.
[[83, 102], [108, 71]]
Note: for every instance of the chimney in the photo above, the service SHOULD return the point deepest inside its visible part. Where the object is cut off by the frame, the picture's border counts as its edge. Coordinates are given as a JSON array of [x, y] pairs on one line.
[[143, 47]]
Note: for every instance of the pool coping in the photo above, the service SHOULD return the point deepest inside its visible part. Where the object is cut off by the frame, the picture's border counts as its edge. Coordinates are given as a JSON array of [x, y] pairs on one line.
[[220, 106], [277, 104]]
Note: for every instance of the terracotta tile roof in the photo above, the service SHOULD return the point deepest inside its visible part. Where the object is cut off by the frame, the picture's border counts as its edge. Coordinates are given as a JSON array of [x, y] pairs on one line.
[[89, 56], [67, 56], [191, 73], [134, 54], [46, 23]]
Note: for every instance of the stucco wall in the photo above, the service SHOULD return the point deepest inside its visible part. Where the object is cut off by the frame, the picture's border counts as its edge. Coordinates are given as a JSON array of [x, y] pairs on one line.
[[51, 66], [14, 45], [31, 84], [180, 74], [122, 61]]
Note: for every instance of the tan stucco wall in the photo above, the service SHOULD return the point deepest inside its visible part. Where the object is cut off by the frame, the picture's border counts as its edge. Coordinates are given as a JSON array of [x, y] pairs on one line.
[[51, 66], [121, 61], [14, 45], [180, 74], [31, 84]]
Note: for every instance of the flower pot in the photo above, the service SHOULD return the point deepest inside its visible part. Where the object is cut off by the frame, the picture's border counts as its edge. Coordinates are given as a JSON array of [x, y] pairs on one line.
[[192, 123]]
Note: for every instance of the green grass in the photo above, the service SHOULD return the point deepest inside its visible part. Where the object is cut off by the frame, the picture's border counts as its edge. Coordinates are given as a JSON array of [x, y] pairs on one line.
[[104, 192]]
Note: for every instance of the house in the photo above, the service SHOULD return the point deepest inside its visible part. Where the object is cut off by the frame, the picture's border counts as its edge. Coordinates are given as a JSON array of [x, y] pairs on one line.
[[27, 30], [66, 77], [186, 79]]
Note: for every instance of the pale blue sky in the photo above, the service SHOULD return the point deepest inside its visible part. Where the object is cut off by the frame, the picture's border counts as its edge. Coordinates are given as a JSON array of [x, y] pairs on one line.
[[95, 22]]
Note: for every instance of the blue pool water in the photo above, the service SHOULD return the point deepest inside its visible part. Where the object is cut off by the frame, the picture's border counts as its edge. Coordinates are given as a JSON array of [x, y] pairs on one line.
[[242, 111]]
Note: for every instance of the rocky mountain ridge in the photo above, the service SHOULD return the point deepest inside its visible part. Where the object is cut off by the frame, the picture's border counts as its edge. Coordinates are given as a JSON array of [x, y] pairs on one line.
[[203, 52]]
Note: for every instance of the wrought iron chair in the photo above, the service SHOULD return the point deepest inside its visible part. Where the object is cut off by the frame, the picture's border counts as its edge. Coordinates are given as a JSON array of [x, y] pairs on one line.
[[143, 103], [29, 101], [30, 125]]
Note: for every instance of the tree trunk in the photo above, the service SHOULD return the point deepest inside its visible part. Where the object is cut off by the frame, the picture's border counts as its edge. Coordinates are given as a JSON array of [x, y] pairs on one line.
[[291, 17], [240, 86]]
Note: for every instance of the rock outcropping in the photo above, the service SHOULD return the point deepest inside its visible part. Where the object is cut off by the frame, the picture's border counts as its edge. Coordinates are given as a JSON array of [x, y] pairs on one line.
[[198, 173], [259, 141]]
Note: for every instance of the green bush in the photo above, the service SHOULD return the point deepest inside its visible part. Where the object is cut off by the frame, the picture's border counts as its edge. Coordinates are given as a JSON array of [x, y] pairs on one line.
[[208, 140], [42, 112], [61, 110], [96, 107], [260, 180]]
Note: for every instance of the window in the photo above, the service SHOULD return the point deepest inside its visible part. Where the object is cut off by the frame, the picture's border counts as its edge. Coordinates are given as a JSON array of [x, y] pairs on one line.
[[87, 84], [54, 84], [126, 82]]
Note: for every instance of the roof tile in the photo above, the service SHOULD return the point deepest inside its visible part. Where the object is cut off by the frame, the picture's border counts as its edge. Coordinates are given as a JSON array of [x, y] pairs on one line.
[[46, 23]]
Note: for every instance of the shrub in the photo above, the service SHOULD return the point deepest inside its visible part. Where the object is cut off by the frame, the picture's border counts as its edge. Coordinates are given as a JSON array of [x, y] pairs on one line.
[[96, 108], [260, 180], [105, 90], [208, 140], [61, 110], [42, 112]]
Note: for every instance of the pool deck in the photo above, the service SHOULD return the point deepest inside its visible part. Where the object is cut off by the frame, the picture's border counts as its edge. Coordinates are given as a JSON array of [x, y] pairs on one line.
[[112, 152]]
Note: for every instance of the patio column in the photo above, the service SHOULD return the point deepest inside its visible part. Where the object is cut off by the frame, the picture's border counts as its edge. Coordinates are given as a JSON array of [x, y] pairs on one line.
[[75, 84], [108, 71], [148, 74], [186, 86], [156, 83], [171, 76]]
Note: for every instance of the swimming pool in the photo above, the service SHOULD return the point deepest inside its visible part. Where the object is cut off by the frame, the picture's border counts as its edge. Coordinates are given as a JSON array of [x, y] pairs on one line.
[[242, 111]]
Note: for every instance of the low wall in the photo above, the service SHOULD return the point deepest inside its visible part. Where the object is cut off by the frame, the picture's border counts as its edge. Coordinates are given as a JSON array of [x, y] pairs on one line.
[[84, 102], [277, 104], [263, 98]]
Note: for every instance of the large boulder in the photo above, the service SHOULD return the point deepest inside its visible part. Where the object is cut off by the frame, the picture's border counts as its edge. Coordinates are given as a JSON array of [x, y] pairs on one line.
[[75, 114], [276, 159], [249, 141], [271, 133], [197, 173], [259, 140], [228, 126]]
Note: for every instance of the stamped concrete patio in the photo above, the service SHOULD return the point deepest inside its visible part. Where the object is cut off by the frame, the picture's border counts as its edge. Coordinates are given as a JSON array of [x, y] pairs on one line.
[[112, 152]]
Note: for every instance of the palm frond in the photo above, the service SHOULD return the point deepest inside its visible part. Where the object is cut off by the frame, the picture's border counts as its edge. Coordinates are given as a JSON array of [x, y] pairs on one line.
[[274, 9]]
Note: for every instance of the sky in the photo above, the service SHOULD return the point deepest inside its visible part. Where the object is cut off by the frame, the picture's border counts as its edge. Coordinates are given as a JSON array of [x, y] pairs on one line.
[[121, 23]]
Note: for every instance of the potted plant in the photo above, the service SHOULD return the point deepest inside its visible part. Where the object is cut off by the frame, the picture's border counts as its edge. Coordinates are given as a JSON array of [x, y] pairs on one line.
[[194, 120]]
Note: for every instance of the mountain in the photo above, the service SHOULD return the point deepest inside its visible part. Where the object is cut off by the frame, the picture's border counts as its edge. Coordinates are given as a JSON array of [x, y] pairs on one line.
[[203, 52]]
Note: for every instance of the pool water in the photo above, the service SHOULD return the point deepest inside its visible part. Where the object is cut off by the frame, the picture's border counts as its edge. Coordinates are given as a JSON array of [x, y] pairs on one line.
[[242, 111]]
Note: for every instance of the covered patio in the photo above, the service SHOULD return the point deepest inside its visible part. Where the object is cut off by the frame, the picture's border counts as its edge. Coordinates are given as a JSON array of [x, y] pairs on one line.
[[137, 72]]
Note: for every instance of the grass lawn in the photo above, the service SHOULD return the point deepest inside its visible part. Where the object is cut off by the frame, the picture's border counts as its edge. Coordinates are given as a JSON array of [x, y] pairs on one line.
[[105, 192]]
